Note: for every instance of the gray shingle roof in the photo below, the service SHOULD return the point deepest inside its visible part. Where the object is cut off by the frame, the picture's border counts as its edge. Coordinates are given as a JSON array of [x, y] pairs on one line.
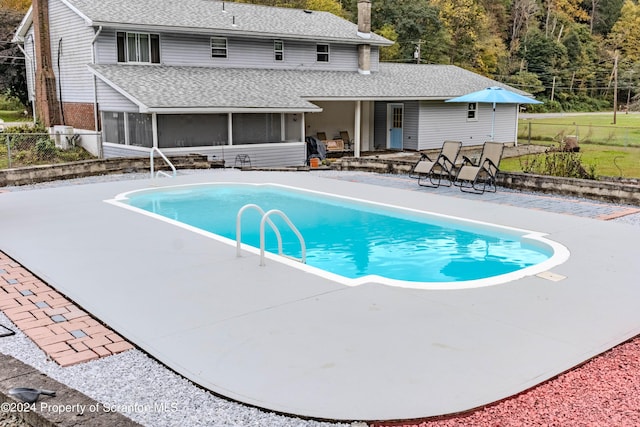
[[208, 16], [199, 88]]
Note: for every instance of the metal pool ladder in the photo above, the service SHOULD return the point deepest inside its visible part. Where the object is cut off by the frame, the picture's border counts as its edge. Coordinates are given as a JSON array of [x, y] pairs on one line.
[[267, 220], [173, 168]]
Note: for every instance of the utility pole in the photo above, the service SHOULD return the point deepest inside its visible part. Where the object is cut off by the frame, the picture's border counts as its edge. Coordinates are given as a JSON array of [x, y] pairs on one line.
[[615, 86], [417, 52]]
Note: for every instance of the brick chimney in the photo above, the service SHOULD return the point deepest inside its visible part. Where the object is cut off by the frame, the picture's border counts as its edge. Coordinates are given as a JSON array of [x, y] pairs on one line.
[[47, 106], [364, 31]]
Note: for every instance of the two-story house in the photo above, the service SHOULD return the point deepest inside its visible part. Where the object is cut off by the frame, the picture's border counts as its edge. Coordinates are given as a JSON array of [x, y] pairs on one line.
[[224, 78]]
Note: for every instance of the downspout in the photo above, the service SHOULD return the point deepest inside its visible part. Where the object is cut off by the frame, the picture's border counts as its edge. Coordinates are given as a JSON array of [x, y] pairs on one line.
[[154, 129], [33, 76], [95, 82], [60, 81]]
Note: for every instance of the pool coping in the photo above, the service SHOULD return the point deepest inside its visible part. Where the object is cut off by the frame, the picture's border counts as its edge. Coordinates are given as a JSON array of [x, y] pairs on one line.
[[559, 256], [317, 349]]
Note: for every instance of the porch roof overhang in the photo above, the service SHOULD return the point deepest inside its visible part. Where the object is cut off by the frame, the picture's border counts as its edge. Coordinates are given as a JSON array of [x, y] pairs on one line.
[[179, 89], [198, 90]]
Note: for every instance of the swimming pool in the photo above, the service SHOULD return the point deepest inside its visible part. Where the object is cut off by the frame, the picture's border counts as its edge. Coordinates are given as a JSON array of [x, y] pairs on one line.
[[355, 241]]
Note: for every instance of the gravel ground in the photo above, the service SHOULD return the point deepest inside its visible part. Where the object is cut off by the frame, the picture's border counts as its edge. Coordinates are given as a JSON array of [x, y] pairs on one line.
[[132, 378], [603, 392], [9, 420]]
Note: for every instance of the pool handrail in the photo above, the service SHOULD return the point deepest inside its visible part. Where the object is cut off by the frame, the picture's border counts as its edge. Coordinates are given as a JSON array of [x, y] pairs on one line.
[[151, 157], [239, 227], [265, 218]]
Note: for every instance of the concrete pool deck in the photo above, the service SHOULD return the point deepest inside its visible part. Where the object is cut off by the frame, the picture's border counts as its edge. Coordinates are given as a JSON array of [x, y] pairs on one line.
[[289, 341]]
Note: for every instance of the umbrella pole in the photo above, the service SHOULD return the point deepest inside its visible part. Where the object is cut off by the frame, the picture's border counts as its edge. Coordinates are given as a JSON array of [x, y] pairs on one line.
[[493, 122]]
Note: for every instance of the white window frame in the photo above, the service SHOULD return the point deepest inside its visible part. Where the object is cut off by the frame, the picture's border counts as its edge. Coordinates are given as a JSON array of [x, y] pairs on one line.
[[137, 53], [319, 53], [220, 48], [278, 50], [472, 112]]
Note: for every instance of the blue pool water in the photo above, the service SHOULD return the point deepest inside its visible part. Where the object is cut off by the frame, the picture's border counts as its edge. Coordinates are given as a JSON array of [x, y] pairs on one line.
[[352, 238]]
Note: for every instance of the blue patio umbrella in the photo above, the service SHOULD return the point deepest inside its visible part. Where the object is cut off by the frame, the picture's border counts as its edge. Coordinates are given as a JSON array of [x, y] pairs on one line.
[[494, 95]]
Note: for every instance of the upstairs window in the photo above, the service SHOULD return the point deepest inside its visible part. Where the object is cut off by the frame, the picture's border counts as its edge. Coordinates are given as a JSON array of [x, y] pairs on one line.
[[472, 111], [138, 47], [322, 53], [218, 47], [278, 50]]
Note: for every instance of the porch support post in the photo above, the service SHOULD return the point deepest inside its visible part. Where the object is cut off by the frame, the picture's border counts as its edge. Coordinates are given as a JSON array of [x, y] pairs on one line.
[[302, 127], [154, 129], [515, 137], [283, 129], [230, 128], [356, 129]]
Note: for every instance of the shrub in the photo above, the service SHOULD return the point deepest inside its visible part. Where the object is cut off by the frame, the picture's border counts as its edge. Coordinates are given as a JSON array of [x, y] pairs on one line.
[[558, 163]]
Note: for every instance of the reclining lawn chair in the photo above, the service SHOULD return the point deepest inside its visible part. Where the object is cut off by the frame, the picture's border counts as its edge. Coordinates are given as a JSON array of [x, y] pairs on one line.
[[439, 168], [481, 177]]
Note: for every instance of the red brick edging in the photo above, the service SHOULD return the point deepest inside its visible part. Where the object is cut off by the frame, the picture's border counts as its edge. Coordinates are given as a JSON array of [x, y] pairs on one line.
[[60, 328]]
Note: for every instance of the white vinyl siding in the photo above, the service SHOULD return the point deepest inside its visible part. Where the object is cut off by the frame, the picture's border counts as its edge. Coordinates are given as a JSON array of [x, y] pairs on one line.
[[440, 121], [111, 100], [30, 64], [70, 53], [195, 50], [410, 130]]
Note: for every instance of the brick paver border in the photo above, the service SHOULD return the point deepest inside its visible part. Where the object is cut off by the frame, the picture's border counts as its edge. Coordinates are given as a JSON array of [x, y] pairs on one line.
[[67, 334]]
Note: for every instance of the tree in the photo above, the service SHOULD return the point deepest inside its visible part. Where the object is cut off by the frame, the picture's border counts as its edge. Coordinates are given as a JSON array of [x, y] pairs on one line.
[[332, 6], [560, 13], [415, 21], [12, 66], [389, 53], [544, 57], [624, 35], [523, 13], [604, 13], [15, 5], [472, 43], [526, 81], [582, 56]]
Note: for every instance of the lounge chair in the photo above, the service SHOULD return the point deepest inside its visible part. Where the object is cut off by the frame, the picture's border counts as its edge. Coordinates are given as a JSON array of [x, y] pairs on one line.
[[430, 172], [480, 177], [345, 139]]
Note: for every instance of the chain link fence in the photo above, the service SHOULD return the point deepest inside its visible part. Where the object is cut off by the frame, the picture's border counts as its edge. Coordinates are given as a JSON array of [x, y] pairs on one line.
[[529, 132], [33, 149], [592, 151]]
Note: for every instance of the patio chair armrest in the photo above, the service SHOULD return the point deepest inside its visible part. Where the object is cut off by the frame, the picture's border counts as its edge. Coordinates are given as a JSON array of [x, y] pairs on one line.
[[424, 156], [466, 160], [445, 162], [490, 167]]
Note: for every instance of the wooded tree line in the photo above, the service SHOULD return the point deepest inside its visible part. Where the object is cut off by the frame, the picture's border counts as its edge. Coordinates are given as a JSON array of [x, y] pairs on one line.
[[570, 53]]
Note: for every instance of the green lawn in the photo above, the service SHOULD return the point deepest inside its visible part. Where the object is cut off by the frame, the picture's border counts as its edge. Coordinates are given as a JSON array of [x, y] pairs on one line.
[[14, 116], [614, 150], [608, 160], [594, 129]]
